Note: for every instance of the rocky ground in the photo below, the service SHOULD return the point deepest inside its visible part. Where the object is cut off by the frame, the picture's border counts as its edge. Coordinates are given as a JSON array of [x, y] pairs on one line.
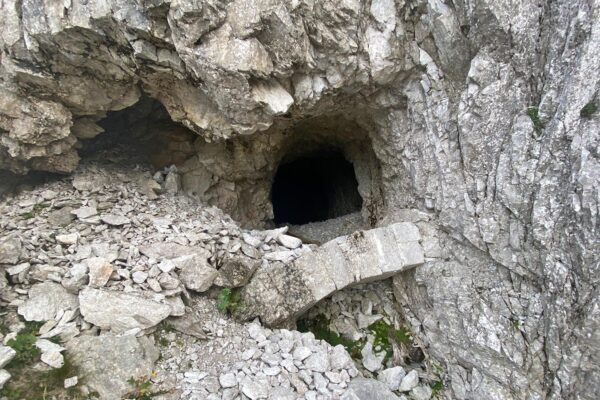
[[115, 286]]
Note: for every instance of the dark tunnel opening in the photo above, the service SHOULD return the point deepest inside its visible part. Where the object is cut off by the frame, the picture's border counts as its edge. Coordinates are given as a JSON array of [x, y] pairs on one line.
[[315, 188]]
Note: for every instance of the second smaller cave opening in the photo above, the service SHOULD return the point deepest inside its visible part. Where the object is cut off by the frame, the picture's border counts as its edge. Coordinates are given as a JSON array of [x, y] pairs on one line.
[[315, 187]]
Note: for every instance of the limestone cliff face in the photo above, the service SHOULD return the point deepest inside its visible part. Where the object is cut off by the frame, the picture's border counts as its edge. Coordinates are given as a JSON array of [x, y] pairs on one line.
[[473, 109]]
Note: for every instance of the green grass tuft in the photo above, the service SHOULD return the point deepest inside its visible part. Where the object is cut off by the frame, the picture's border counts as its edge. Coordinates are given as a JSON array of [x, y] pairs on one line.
[[229, 300], [30, 383], [436, 388], [24, 345], [533, 113]]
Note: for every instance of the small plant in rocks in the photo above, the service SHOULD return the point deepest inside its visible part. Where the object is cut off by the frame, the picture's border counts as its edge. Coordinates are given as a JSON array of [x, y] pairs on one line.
[[142, 388], [229, 300], [319, 326], [24, 345], [534, 115], [31, 383]]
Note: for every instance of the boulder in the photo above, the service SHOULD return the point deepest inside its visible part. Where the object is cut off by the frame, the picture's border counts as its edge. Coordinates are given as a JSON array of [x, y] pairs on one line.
[[45, 301], [120, 311], [107, 362], [196, 274], [10, 250]]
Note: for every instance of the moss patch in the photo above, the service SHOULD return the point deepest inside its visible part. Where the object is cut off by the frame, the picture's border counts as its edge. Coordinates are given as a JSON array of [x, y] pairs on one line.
[[163, 329], [436, 388], [588, 110], [30, 383], [385, 335], [37, 209], [319, 326], [229, 300]]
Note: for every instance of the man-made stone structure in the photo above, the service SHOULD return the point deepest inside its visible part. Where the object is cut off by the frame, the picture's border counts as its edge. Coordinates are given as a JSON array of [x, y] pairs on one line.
[[482, 115]]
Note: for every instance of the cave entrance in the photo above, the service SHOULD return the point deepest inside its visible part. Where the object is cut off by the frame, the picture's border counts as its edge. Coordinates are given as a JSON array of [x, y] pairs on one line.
[[143, 132], [315, 187]]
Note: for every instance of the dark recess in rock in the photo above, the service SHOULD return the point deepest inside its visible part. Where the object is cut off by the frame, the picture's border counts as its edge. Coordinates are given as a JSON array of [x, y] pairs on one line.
[[316, 187], [147, 131]]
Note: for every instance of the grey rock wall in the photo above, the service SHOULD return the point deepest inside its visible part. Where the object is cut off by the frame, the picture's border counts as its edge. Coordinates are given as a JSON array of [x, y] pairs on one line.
[[441, 88]]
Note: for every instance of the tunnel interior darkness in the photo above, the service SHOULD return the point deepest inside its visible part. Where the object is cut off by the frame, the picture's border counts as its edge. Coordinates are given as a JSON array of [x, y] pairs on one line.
[[316, 187]]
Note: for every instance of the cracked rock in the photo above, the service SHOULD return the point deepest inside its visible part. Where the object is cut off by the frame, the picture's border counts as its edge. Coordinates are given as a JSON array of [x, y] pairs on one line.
[[120, 312], [45, 301]]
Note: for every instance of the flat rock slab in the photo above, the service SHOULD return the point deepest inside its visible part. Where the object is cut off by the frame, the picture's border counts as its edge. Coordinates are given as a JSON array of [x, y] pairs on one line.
[[115, 220], [169, 250], [45, 301], [283, 292], [120, 311], [368, 389], [106, 362]]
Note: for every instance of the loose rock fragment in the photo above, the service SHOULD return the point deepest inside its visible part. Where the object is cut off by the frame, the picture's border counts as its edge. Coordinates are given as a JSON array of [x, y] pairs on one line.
[[70, 382], [4, 377], [196, 274], [410, 381], [51, 353], [372, 362], [6, 355], [100, 271], [368, 389], [114, 220], [392, 377], [68, 239]]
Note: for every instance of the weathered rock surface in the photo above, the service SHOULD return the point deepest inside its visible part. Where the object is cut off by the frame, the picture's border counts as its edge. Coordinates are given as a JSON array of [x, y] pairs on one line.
[[473, 110], [107, 362], [368, 389], [120, 312], [4, 377], [46, 300], [6, 355], [10, 250], [283, 292]]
